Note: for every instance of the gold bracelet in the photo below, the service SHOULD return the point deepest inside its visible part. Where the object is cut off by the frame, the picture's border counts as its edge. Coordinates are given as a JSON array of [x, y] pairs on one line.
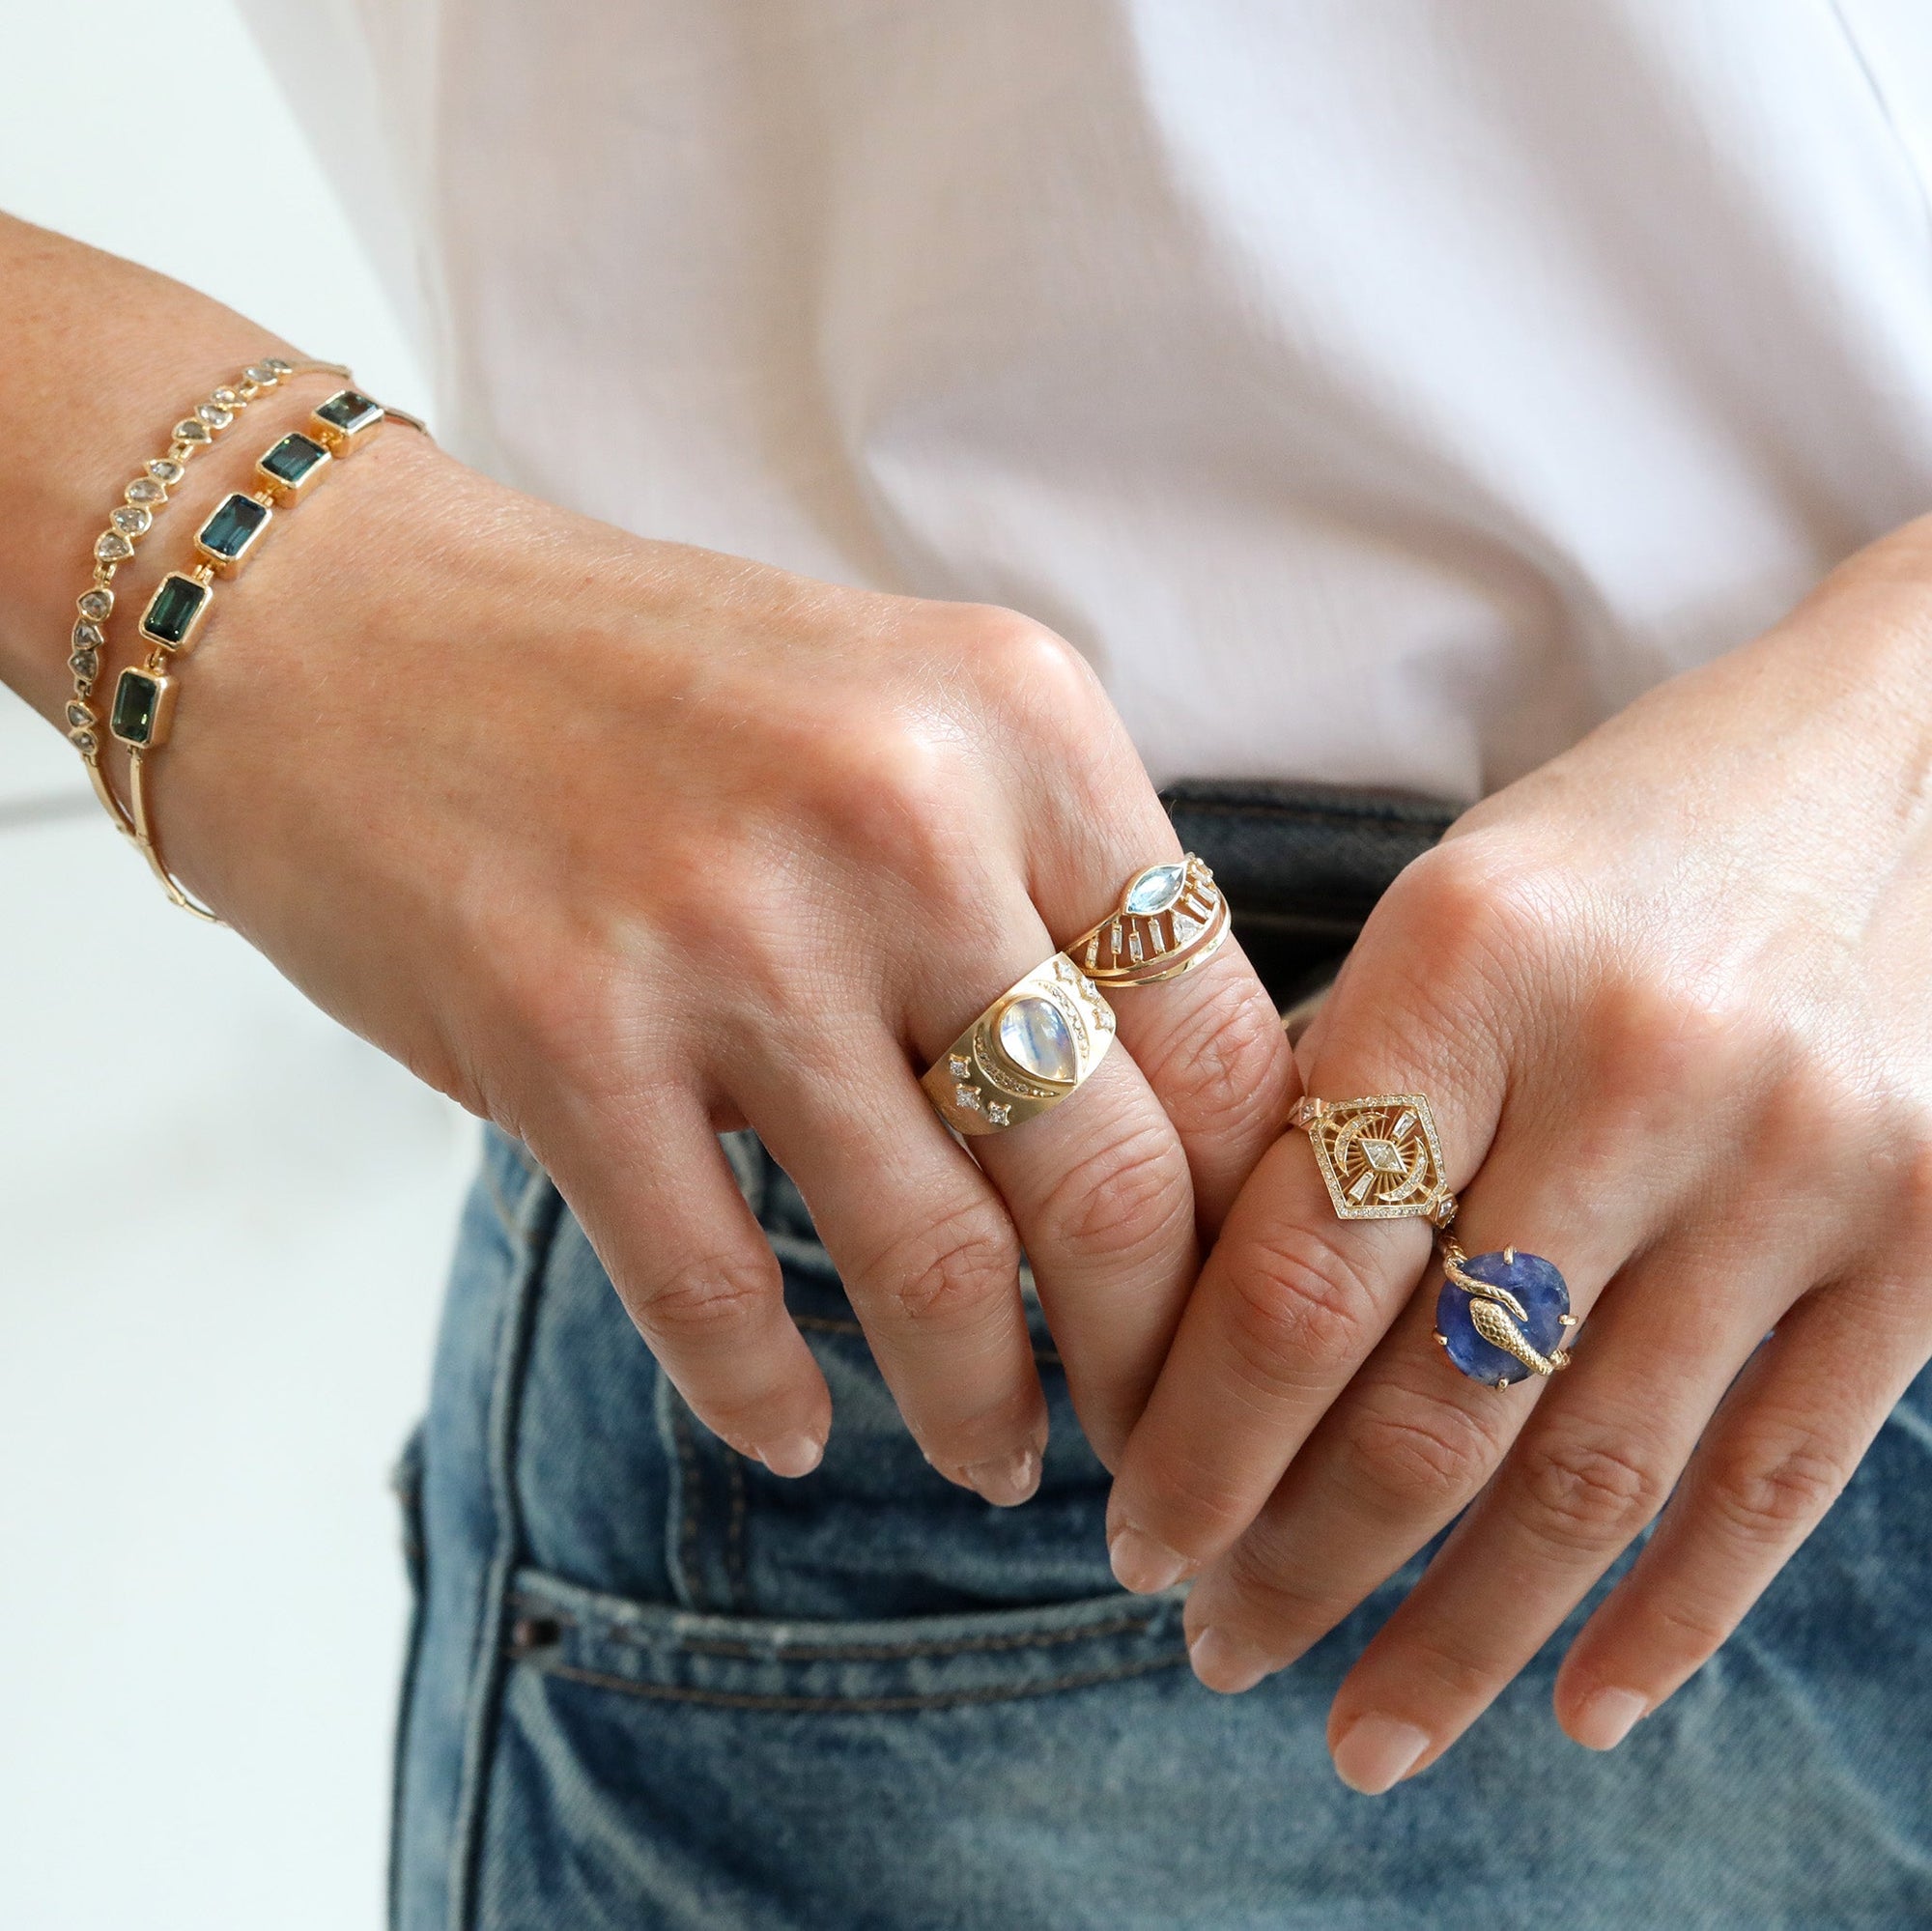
[[143, 500], [142, 713]]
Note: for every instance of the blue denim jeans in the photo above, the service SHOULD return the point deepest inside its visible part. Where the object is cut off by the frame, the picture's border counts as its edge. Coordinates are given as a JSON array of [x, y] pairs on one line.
[[652, 1686]]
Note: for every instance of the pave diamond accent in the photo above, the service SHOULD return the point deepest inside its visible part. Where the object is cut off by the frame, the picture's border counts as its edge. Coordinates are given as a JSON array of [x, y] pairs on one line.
[[997, 1112], [1378, 1157], [968, 1097]]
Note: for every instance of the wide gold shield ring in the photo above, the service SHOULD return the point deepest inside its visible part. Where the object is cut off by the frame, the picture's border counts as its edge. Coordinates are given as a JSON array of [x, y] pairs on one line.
[[1171, 918], [1036, 1044]]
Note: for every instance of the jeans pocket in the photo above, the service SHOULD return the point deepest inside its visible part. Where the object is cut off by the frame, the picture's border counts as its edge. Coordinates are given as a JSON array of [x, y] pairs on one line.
[[877, 1667]]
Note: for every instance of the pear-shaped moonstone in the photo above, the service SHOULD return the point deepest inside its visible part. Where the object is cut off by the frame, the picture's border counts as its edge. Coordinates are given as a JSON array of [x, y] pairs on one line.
[[1033, 1034], [1156, 888]]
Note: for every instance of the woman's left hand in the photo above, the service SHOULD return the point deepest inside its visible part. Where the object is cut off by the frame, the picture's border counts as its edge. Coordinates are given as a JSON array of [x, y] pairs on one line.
[[1670, 999]]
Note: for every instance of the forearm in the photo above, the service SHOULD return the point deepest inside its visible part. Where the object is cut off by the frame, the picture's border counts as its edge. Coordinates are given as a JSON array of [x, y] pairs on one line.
[[101, 358]]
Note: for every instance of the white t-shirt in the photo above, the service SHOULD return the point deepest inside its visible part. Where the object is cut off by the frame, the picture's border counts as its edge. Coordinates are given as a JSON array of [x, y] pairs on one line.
[[1380, 392]]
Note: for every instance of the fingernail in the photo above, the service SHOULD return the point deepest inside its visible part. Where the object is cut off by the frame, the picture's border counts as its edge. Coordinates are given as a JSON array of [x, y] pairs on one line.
[[1225, 1662], [1142, 1564], [1377, 1752], [1607, 1717], [1007, 1481], [796, 1455]]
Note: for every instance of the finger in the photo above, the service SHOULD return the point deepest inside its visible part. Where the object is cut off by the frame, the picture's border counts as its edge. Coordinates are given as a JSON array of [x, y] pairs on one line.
[[1289, 1303], [926, 1250], [1101, 1193], [1292, 1299], [647, 1179], [1786, 1440], [1410, 1440], [1591, 1469], [1210, 1043]]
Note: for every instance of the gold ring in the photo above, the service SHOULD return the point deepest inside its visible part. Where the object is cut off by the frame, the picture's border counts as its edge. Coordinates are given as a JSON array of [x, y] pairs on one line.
[[1499, 1316], [1171, 918], [1038, 1042], [1379, 1157]]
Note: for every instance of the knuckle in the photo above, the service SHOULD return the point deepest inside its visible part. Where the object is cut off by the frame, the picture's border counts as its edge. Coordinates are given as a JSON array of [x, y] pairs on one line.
[[1418, 1454], [1686, 1629], [1297, 1303], [1124, 1199], [1810, 1108], [1224, 1064], [890, 790], [1269, 1592], [702, 1296], [1658, 1033], [944, 1273], [1025, 662], [1775, 1484], [1583, 1490]]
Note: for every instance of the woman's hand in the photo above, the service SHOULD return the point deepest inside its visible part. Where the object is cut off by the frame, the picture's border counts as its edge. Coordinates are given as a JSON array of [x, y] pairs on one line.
[[623, 845], [1668, 997]]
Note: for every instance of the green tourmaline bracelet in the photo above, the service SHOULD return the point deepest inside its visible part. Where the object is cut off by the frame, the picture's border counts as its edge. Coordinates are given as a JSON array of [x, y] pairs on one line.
[[142, 714]]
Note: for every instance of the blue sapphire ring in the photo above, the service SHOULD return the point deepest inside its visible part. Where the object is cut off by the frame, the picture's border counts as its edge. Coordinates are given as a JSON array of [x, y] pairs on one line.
[[1499, 1316]]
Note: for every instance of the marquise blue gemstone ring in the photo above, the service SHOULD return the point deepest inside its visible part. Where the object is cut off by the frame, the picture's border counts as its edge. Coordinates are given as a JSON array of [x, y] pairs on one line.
[[1499, 1316]]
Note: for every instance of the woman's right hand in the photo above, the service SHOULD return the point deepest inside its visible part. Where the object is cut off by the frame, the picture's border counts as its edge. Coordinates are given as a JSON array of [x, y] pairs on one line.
[[623, 845]]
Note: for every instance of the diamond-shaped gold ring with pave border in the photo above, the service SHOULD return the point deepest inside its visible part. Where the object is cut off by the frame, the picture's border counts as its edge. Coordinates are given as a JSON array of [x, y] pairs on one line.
[[1033, 1047], [1379, 1157]]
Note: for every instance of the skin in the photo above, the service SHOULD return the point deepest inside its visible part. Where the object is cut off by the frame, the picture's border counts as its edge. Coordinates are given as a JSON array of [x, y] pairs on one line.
[[623, 844], [1667, 997]]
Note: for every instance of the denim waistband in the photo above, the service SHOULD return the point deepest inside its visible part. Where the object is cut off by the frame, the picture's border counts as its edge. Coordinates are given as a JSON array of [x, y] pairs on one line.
[[1302, 864]]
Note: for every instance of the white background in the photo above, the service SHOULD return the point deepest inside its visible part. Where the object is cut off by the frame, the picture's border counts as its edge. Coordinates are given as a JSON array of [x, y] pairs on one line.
[[223, 1222]]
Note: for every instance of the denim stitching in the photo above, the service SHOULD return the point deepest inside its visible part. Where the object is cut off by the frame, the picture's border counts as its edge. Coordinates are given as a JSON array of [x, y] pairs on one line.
[[484, 1690], [687, 1538], [734, 1532], [727, 1699], [720, 1646]]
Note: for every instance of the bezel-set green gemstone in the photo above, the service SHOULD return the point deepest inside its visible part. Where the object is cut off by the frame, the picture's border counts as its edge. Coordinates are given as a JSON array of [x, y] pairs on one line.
[[232, 531], [294, 463], [175, 612], [138, 715], [346, 419]]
